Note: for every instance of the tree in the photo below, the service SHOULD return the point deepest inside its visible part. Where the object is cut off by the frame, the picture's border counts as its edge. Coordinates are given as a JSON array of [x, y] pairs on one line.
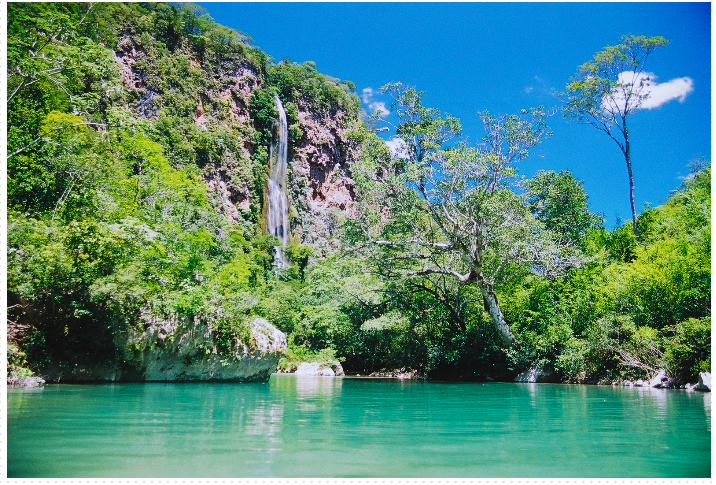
[[560, 202], [608, 89], [446, 218]]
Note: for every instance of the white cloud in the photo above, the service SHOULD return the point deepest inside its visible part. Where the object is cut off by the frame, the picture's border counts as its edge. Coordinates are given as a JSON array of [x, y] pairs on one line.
[[658, 93], [397, 147], [374, 106], [379, 106], [540, 87]]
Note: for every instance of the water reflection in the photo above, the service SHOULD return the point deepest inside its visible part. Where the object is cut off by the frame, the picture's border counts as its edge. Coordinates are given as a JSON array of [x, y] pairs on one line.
[[312, 387]]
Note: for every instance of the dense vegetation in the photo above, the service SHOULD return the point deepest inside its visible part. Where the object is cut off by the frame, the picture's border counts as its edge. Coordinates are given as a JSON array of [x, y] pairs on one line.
[[110, 219]]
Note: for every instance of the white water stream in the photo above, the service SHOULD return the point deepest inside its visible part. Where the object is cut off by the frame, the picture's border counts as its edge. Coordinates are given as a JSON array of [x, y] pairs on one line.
[[277, 213]]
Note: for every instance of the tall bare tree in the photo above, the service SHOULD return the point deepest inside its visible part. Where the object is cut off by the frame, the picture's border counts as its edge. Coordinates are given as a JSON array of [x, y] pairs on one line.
[[608, 89]]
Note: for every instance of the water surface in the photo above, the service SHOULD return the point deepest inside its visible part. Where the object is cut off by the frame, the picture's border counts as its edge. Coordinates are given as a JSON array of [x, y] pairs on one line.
[[300, 426]]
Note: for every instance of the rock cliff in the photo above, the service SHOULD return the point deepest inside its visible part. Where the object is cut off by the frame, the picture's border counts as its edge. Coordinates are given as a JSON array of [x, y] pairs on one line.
[[321, 190]]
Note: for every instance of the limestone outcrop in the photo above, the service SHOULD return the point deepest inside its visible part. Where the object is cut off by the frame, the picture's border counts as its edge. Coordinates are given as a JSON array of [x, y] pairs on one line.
[[318, 369], [182, 349], [704, 382]]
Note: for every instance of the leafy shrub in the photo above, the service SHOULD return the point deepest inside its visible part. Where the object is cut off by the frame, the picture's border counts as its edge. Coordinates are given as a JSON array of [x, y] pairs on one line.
[[688, 349], [297, 354]]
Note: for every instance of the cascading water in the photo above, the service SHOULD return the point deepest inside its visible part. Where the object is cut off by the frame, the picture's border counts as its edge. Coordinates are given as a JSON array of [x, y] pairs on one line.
[[277, 213]]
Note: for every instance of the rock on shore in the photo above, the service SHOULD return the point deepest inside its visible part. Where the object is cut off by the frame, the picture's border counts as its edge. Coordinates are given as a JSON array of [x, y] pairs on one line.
[[184, 356], [536, 375], [402, 373], [704, 382], [176, 348], [659, 379], [318, 369], [25, 381]]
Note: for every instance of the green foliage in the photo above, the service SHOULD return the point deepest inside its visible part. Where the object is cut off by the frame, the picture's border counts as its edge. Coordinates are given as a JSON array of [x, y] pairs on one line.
[[689, 349], [598, 78], [111, 220], [303, 83], [298, 255], [621, 244], [560, 202], [16, 363], [279, 305], [640, 306], [296, 355]]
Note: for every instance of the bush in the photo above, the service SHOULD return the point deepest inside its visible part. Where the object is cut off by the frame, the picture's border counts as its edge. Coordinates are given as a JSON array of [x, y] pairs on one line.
[[688, 349], [298, 354]]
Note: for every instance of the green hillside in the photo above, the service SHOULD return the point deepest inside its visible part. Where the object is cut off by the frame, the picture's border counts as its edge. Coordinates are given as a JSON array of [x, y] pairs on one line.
[[123, 119]]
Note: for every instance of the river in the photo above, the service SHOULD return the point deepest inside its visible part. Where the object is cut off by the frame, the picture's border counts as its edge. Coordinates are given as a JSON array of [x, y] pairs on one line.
[[300, 426]]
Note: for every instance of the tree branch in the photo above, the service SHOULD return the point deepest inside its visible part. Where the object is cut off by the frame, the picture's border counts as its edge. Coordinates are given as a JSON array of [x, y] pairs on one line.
[[463, 278]]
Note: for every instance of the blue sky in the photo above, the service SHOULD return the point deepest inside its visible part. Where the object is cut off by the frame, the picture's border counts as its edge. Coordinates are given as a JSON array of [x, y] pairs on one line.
[[502, 57]]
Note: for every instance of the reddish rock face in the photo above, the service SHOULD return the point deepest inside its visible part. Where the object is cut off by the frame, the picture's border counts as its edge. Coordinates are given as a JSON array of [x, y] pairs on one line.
[[321, 160], [237, 95], [200, 115], [126, 56], [321, 190]]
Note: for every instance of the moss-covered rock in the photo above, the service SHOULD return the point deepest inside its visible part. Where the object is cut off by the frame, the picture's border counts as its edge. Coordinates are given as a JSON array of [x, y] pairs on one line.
[[184, 349]]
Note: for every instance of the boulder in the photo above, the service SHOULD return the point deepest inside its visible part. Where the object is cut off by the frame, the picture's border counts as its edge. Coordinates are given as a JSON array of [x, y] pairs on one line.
[[659, 379], [318, 369], [536, 375], [183, 350], [25, 381], [402, 373], [704, 382]]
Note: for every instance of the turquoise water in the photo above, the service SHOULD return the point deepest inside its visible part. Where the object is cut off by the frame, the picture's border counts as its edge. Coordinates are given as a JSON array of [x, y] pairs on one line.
[[354, 427]]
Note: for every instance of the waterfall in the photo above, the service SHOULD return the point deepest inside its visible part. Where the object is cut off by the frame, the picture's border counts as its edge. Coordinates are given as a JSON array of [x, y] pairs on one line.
[[277, 213]]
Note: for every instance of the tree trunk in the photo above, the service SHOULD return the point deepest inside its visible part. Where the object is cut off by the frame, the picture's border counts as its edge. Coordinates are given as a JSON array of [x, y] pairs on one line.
[[493, 308], [627, 156]]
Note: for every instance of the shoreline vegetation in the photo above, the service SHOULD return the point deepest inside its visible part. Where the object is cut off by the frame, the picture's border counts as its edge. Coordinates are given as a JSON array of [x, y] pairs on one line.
[[139, 138]]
